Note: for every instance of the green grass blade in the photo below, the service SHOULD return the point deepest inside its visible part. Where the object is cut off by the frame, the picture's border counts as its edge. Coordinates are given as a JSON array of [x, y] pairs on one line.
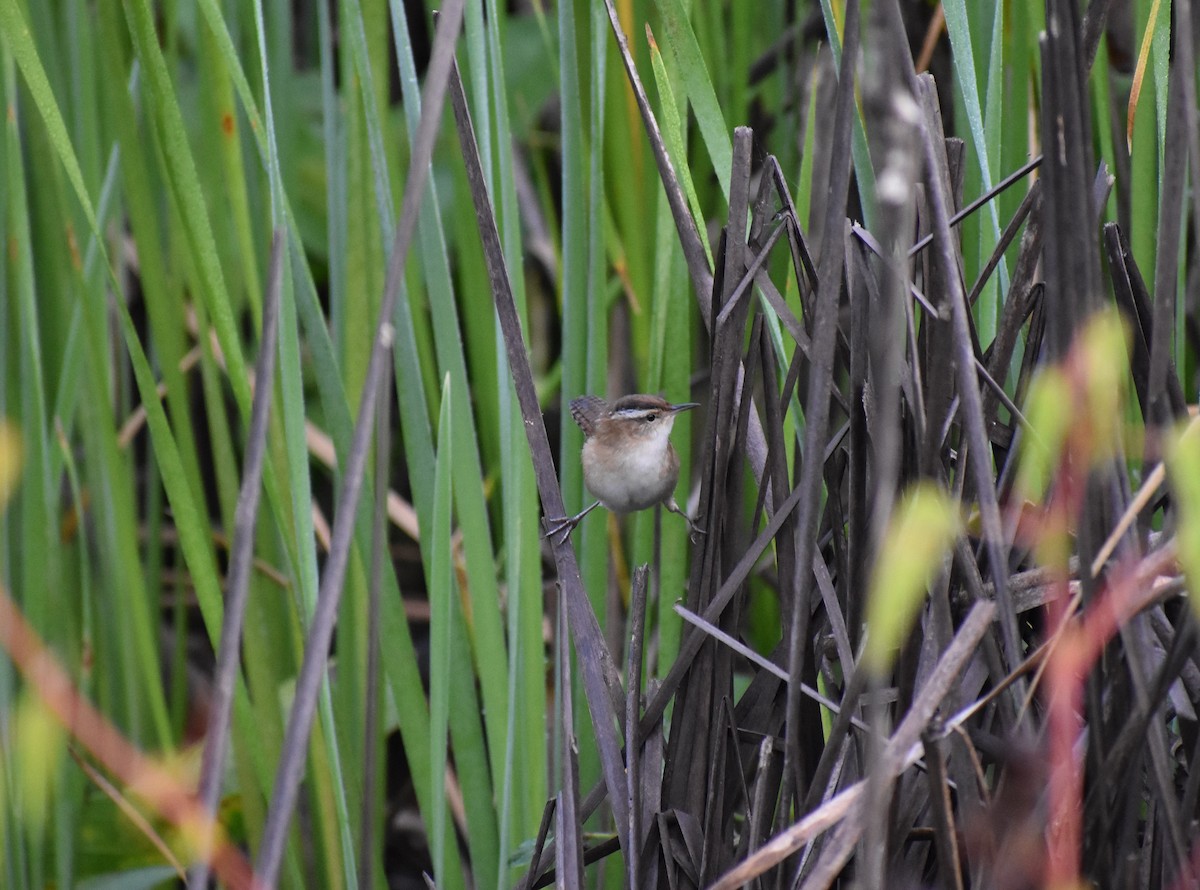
[[980, 233], [672, 131], [187, 191], [441, 605], [697, 83], [487, 637], [864, 171]]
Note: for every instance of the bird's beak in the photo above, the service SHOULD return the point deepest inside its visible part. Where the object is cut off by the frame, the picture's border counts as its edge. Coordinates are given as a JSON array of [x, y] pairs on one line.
[[686, 406]]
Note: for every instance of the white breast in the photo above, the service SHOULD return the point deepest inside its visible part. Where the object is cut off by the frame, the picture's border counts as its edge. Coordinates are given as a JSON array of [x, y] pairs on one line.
[[633, 479]]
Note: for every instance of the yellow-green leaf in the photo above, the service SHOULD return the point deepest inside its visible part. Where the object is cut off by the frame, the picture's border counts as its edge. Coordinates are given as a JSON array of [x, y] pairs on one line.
[[38, 745], [1105, 358], [922, 529], [1050, 419], [10, 461], [1183, 470]]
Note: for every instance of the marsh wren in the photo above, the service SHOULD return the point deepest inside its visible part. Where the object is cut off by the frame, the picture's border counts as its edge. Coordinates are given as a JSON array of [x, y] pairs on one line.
[[629, 463]]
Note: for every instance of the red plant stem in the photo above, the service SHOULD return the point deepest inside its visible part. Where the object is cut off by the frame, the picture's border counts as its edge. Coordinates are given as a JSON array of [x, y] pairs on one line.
[[157, 786], [1081, 644], [1077, 650], [1066, 672], [1064, 694], [1064, 832]]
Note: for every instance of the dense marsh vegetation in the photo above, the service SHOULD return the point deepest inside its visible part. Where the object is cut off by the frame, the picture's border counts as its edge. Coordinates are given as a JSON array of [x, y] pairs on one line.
[[294, 298]]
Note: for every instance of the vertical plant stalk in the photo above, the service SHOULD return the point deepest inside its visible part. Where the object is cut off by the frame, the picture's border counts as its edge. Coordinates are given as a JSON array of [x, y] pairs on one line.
[[316, 652], [633, 700], [948, 859], [216, 745], [971, 403], [1070, 255], [1185, 53], [602, 687], [820, 384], [379, 553], [1169, 236], [568, 854]]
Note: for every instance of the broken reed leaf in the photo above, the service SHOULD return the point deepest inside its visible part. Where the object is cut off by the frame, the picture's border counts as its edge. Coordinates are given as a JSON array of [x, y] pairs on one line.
[[921, 531], [1183, 471]]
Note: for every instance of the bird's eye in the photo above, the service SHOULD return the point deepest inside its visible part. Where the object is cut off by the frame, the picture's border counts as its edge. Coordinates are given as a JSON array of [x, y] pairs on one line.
[[650, 418]]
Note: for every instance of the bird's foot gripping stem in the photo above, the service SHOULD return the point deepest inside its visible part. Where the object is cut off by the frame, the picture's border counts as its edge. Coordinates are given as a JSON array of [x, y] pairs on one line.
[[562, 526], [693, 528]]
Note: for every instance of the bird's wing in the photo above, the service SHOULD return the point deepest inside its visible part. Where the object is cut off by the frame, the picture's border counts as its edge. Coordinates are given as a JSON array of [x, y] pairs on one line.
[[586, 411]]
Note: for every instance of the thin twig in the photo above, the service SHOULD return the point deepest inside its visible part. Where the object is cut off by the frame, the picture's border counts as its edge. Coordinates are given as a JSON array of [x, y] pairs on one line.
[[225, 675]]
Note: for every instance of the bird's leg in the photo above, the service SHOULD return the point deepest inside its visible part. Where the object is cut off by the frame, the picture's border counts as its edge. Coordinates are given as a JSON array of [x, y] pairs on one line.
[[566, 524], [693, 528]]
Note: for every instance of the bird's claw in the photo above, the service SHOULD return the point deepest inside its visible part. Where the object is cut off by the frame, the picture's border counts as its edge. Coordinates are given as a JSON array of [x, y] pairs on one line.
[[566, 524], [694, 530], [563, 525]]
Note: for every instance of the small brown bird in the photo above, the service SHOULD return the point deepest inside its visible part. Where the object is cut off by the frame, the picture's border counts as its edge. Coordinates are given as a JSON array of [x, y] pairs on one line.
[[629, 463]]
